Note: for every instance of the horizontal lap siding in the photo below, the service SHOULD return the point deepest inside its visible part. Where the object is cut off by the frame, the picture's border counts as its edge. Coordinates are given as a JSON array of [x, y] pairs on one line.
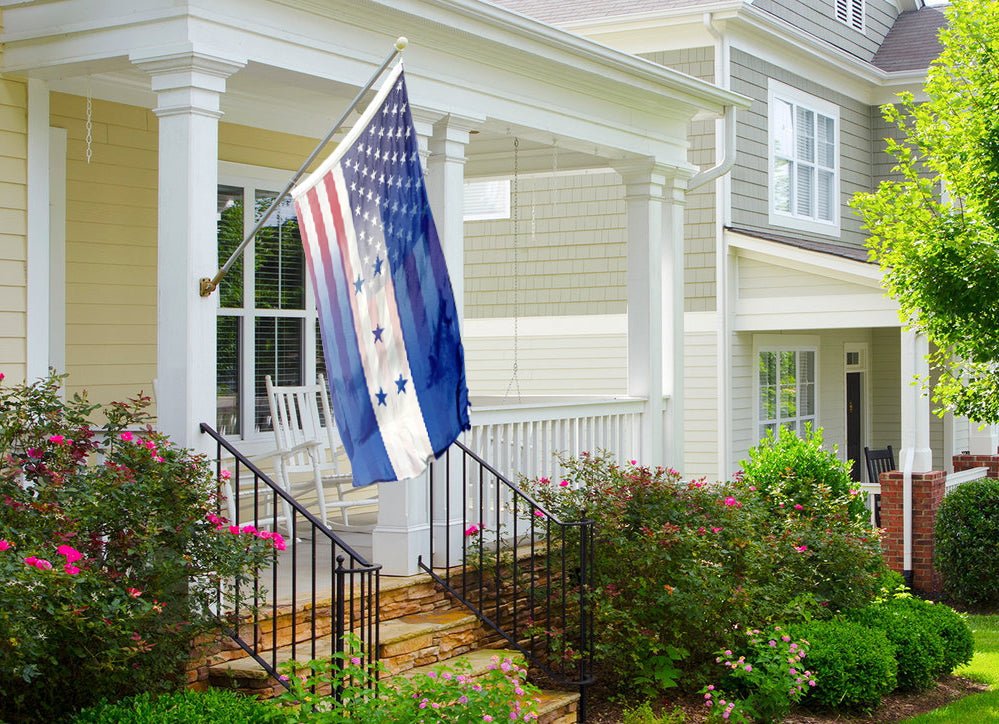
[[818, 18], [13, 224], [111, 212], [555, 364], [699, 229], [759, 280], [571, 258], [700, 415], [886, 389], [750, 190]]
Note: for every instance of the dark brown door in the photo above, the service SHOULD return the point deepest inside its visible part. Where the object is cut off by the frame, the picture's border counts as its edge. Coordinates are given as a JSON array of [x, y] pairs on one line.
[[853, 447]]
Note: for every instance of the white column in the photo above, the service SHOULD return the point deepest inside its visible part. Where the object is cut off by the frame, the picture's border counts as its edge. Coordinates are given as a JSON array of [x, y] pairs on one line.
[[188, 86], [654, 195], [38, 312], [915, 454], [402, 533]]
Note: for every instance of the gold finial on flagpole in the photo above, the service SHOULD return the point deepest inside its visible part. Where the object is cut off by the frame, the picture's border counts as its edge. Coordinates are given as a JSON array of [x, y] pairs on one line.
[[401, 42]]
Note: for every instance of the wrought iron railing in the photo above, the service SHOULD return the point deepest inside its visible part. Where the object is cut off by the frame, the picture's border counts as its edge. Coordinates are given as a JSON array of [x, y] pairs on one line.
[[520, 569], [315, 591]]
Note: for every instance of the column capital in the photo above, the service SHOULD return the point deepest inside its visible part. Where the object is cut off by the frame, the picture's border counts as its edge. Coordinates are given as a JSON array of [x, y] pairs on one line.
[[186, 80], [649, 178]]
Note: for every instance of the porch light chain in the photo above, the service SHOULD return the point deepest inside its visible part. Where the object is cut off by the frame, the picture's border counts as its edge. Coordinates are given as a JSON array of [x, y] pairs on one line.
[[90, 123], [514, 380]]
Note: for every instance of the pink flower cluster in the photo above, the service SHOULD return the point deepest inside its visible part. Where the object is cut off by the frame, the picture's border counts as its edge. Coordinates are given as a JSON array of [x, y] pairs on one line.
[[474, 529], [148, 444], [68, 552], [221, 524]]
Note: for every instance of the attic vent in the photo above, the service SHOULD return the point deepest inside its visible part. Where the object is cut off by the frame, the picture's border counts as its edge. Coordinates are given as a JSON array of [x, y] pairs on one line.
[[851, 12]]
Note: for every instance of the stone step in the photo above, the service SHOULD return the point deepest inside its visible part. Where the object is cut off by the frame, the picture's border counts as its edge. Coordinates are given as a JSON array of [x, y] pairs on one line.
[[405, 643], [480, 661], [558, 707]]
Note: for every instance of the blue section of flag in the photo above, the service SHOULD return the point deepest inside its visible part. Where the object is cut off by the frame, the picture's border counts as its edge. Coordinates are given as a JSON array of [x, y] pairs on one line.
[[389, 325]]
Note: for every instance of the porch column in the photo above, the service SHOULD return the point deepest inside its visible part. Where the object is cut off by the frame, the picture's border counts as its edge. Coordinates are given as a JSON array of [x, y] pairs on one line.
[[655, 194], [446, 187], [982, 439], [916, 456], [188, 87]]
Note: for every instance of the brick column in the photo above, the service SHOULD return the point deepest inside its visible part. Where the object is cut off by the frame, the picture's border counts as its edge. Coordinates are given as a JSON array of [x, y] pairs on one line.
[[927, 493], [966, 462]]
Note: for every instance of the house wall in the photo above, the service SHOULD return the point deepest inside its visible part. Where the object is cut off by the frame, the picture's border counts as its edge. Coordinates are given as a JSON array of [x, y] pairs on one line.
[[13, 228], [882, 162], [881, 382], [700, 420], [111, 223], [760, 280], [819, 19], [750, 190]]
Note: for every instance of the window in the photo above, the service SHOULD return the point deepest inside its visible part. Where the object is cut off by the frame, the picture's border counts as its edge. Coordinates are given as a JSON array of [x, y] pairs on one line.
[[266, 318], [486, 200], [804, 161], [786, 389], [851, 12]]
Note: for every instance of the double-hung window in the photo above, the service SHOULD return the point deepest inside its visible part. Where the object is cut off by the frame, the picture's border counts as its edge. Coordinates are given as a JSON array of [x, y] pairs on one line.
[[786, 389], [266, 319], [804, 161]]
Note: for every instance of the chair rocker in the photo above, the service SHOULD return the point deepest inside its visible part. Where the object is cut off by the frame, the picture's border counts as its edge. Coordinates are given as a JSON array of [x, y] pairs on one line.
[[308, 445]]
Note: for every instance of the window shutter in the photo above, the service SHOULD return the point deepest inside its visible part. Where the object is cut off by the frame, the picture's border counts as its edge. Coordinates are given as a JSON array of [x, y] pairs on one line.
[[857, 14], [843, 11]]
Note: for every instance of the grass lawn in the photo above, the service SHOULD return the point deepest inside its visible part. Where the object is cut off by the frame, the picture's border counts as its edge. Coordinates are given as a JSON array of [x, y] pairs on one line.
[[984, 668]]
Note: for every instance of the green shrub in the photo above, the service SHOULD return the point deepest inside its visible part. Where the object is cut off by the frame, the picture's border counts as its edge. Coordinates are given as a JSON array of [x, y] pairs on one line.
[[643, 714], [680, 565], [967, 543], [789, 470], [953, 630], [109, 556], [919, 648], [854, 665], [214, 706]]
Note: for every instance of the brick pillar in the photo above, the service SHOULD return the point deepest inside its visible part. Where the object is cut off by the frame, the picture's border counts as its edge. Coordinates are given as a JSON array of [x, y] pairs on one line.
[[927, 493], [966, 462]]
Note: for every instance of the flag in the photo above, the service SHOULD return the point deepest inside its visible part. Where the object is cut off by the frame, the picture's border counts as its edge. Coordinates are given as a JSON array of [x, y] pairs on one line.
[[386, 309]]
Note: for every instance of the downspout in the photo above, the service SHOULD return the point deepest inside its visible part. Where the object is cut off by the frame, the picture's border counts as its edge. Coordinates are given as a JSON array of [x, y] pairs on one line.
[[725, 135]]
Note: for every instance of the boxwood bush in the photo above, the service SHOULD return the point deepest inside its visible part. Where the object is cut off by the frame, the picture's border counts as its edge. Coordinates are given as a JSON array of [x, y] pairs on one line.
[[953, 630], [967, 543], [854, 665], [214, 706], [919, 647]]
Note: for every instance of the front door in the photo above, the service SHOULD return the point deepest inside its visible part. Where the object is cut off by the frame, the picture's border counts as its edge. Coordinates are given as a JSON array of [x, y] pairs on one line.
[[853, 424]]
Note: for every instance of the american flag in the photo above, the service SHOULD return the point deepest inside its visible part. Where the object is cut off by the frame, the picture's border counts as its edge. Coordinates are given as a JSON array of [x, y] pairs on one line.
[[386, 308]]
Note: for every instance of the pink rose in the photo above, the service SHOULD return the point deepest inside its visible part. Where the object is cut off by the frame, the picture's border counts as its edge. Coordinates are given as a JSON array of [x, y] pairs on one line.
[[563, 484], [71, 569], [126, 436], [4, 545], [71, 554], [472, 529], [56, 439], [133, 592]]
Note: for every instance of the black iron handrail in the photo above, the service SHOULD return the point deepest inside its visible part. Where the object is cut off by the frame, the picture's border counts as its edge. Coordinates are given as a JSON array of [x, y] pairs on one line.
[[353, 603], [522, 571]]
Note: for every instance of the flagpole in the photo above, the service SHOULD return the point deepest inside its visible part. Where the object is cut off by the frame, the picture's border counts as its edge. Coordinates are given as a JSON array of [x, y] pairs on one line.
[[206, 285]]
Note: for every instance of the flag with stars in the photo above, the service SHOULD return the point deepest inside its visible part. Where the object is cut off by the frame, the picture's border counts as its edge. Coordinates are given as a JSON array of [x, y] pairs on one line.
[[386, 309]]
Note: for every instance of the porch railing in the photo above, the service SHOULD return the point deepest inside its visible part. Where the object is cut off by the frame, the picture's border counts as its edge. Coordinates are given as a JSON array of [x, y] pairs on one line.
[[317, 572], [520, 569], [523, 438]]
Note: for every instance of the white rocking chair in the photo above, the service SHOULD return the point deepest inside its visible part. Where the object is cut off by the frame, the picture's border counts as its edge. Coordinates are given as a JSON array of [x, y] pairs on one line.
[[308, 445]]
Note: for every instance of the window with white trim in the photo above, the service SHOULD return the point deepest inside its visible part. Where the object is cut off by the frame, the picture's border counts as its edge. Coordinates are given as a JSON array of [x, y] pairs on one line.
[[266, 319], [786, 390], [485, 200], [851, 12], [804, 161]]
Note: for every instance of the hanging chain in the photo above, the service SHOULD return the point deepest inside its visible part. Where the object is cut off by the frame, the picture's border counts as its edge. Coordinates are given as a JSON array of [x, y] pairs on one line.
[[514, 380], [90, 123]]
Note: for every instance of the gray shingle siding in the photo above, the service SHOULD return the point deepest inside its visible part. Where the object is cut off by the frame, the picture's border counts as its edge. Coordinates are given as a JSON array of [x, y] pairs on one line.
[[750, 188], [700, 211], [818, 18]]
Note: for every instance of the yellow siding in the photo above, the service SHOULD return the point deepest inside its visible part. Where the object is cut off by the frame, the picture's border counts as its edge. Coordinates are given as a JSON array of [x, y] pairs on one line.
[[111, 216], [700, 413], [110, 248], [13, 222]]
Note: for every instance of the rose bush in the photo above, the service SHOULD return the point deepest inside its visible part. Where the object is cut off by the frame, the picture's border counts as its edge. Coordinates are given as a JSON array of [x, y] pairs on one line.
[[112, 553]]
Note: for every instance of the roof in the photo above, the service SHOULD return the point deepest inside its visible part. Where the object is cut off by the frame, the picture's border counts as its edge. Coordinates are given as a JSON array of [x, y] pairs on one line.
[[846, 251], [912, 42], [559, 11]]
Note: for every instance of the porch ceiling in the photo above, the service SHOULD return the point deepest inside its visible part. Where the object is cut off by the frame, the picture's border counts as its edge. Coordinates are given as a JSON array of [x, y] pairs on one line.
[[304, 60]]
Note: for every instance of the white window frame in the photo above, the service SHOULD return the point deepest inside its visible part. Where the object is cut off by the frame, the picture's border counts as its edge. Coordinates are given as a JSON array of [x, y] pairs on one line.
[[793, 220], [252, 179], [500, 210], [784, 343], [852, 13]]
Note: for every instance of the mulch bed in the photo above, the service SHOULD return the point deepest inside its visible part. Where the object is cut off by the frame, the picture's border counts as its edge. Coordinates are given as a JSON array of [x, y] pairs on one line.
[[895, 707]]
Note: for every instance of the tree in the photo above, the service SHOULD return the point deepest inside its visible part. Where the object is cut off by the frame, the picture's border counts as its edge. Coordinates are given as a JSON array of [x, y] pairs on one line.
[[935, 228]]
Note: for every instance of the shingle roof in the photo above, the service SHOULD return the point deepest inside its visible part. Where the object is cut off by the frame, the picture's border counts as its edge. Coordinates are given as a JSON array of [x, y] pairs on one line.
[[561, 11], [847, 251], [912, 42]]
